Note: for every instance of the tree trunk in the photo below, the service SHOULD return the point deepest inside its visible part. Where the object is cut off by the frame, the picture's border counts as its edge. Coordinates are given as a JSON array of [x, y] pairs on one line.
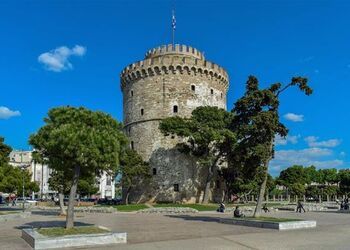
[[127, 196], [206, 191], [61, 201], [73, 191], [257, 211], [211, 172]]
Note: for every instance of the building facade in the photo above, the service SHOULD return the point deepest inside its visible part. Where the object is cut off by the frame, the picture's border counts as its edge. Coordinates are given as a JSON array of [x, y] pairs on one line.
[[170, 81], [40, 173]]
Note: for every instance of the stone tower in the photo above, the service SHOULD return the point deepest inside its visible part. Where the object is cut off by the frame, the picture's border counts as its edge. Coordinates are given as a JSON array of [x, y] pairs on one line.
[[170, 81]]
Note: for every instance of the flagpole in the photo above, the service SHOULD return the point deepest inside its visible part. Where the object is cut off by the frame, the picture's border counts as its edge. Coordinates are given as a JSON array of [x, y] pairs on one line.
[[173, 26]]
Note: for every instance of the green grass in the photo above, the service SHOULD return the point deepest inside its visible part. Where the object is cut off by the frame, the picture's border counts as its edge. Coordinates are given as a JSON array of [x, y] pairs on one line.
[[8, 212], [268, 219], [130, 208], [199, 207], [61, 231]]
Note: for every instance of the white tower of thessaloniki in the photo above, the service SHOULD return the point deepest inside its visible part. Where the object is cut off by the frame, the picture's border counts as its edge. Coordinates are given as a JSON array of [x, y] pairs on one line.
[[170, 81]]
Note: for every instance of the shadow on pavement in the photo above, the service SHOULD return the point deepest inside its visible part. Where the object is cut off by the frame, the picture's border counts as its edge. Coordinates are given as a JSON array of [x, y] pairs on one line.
[[40, 224], [45, 213], [196, 218]]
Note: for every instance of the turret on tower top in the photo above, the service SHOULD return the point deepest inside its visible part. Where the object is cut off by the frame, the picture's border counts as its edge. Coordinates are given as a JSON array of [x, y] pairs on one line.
[[169, 49]]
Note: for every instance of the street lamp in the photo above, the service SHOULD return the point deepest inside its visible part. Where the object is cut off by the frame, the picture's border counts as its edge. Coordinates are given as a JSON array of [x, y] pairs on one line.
[[23, 167]]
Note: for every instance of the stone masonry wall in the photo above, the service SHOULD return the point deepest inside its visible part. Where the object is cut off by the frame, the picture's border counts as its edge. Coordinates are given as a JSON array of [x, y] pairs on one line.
[[154, 89]]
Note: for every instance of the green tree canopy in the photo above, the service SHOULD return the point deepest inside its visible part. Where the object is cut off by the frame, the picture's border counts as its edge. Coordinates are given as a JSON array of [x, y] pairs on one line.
[[133, 170], [207, 136], [78, 141], [256, 123]]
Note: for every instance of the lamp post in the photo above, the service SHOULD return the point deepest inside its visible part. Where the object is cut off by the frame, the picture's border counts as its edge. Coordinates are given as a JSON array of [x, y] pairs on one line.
[[23, 167]]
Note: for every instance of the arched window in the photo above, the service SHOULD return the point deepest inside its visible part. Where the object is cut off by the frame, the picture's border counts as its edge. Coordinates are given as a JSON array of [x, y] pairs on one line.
[[142, 112], [175, 109], [193, 88]]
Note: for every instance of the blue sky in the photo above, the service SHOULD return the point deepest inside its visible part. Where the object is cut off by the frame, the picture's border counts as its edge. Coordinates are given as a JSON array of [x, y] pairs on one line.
[[95, 40]]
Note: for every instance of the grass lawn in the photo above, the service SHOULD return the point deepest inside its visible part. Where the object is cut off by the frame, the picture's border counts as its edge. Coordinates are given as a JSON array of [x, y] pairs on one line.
[[61, 231], [199, 207], [8, 212], [130, 208], [268, 219]]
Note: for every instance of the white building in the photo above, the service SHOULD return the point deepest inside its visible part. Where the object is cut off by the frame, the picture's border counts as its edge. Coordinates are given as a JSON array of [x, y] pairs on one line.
[[41, 174]]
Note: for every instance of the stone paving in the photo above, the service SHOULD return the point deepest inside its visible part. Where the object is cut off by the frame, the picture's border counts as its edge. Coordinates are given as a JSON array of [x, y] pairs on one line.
[[195, 231]]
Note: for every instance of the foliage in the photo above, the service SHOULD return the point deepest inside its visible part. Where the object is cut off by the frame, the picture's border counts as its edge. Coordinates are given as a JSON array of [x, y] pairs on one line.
[[79, 142], [133, 170], [206, 136], [11, 178], [256, 123], [328, 176], [5, 151], [344, 184]]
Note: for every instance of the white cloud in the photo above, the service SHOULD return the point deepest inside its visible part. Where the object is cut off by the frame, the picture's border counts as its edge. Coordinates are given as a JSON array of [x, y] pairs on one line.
[[57, 60], [6, 113], [318, 157], [284, 141], [294, 117], [312, 142]]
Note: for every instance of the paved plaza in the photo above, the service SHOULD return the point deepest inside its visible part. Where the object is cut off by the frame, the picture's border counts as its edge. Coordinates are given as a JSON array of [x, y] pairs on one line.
[[195, 231]]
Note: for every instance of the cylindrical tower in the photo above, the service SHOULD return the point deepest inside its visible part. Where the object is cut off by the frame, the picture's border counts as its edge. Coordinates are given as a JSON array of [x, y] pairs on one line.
[[170, 81]]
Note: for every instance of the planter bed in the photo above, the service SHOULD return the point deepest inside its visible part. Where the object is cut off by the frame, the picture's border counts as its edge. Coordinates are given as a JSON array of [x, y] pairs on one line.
[[11, 215], [55, 238], [272, 223]]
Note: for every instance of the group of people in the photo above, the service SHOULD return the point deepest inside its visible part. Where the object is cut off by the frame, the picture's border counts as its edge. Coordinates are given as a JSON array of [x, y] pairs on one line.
[[344, 204], [237, 213]]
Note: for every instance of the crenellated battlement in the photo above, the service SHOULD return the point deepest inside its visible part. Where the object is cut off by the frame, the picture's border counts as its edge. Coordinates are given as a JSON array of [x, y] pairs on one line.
[[172, 63], [177, 49]]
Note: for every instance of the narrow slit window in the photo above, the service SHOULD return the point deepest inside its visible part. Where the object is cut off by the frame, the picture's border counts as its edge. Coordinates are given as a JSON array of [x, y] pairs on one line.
[[132, 93], [221, 95], [212, 91], [142, 112], [176, 187], [132, 145], [154, 171], [175, 109], [193, 88]]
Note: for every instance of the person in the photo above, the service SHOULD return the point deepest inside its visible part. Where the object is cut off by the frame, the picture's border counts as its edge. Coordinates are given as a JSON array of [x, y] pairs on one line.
[[14, 202], [265, 208], [221, 208], [300, 207], [342, 204], [238, 213]]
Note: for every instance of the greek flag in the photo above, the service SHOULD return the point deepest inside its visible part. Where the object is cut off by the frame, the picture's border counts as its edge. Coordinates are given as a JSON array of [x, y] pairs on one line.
[[173, 21]]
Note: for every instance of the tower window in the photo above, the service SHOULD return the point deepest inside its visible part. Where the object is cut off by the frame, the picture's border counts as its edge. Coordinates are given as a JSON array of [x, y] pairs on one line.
[[132, 145], [142, 112], [211, 91], [129, 130], [221, 95], [154, 170], [132, 93], [176, 187], [175, 109], [193, 88]]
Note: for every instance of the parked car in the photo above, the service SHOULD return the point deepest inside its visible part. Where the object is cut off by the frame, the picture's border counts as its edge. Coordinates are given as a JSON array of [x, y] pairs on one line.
[[26, 200]]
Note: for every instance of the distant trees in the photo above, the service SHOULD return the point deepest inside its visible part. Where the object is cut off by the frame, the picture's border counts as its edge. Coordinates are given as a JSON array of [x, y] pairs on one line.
[[11, 178]]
